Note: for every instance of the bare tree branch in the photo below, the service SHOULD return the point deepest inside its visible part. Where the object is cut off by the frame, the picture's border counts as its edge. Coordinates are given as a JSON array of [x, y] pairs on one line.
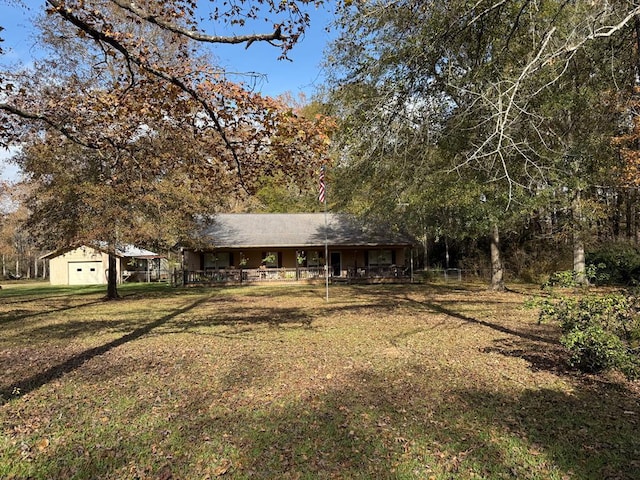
[[48, 121], [133, 8], [100, 36], [509, 104]]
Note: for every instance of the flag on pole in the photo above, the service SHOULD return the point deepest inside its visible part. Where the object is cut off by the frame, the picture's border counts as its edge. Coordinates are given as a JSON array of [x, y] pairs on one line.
[[321, 195]]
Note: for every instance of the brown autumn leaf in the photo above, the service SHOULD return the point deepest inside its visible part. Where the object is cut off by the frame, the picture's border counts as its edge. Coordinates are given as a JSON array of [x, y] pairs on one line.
[[224, 467], [42, 444]]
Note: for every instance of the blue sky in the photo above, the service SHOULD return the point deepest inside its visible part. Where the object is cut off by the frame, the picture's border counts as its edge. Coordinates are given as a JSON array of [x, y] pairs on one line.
[[303, 74]]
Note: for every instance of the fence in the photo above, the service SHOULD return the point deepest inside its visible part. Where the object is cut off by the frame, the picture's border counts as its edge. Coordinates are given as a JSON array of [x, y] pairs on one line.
[[453, 274], [151, 275]]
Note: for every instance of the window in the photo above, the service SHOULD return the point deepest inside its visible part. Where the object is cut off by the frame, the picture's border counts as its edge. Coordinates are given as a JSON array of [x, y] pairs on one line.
[[270, 259], [379, 258], [217, 260], [313, 259]]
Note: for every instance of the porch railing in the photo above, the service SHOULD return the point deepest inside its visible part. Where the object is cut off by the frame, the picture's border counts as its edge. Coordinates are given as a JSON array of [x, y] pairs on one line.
[[248, 275], [253, 275], [385, 271]]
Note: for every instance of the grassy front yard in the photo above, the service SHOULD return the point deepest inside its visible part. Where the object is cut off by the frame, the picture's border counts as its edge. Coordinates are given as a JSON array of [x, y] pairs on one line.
[[402, 382]]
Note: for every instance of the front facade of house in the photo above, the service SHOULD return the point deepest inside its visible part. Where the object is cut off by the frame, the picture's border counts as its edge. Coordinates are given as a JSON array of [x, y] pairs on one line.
[[253, 247], [86, 265]]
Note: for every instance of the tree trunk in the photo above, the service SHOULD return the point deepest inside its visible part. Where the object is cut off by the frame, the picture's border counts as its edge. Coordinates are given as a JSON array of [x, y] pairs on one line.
[[579, 264], [112, 278], [446, 253], [617, 214], [497, 279], [629, 215]]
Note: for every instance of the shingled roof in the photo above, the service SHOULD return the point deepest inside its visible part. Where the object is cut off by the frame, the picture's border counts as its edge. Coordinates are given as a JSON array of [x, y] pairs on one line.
[[253, 230]]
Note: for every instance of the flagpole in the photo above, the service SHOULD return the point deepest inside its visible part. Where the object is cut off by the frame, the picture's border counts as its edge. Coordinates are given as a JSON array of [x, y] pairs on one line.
[[326, 250], [323, 198]]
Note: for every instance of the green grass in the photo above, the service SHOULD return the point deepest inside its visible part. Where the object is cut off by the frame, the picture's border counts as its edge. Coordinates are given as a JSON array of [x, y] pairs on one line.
[[382, 382]]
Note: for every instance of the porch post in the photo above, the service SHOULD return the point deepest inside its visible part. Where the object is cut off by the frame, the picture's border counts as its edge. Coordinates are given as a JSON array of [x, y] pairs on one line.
[[411, 264], [326, 253], [184, 272]]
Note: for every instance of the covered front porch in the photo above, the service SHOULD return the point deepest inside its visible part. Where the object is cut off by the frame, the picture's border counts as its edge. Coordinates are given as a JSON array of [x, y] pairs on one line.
[[346, 265]]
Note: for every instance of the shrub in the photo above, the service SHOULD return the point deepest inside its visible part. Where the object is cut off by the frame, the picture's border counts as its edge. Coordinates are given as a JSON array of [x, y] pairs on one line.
[[617, 263], [593, 349], [564, 279], [600, 332], [569, 278]]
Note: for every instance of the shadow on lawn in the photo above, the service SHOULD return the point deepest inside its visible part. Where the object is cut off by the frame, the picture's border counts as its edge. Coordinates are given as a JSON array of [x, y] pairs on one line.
[[374, 428], [439, 308], [547, 357], [236, 317], [590, 433], [29, 384], [371, 427], [537, 344], [409, 422], [400, 297], [15, 315]]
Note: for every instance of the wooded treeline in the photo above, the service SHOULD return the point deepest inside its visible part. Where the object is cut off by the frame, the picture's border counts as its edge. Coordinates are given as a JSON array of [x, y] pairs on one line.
[[503, 134], [504, 126], [19, 254]]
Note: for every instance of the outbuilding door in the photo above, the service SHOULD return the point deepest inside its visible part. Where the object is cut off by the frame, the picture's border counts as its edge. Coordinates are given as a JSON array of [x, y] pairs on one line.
[[85, 273]]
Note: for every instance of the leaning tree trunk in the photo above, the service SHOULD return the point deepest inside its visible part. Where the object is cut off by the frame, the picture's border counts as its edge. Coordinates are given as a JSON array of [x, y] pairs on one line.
[[497, 271], [112, 278]]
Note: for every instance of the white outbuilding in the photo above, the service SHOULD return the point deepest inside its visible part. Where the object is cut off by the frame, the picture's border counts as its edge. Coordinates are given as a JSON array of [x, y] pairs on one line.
[[89, 265]]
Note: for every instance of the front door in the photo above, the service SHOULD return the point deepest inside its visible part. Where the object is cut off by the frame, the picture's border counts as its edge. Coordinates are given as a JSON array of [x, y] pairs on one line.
[[336, 264]]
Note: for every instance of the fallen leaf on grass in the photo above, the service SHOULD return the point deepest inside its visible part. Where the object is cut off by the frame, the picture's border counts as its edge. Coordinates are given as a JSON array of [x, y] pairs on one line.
[[42, 444], [223, 468]]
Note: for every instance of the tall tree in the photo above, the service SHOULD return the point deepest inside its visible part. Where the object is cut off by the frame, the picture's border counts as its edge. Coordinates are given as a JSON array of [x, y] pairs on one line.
[[483, 85], [132, 134], [17, 248]]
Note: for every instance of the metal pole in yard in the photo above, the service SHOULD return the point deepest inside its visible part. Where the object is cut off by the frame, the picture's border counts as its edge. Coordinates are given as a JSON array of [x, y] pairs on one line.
[[323, 199], [326, 252]]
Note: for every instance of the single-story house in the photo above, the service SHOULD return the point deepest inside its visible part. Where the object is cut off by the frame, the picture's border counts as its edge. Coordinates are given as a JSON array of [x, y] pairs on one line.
[[249, 247], [89, 265]]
